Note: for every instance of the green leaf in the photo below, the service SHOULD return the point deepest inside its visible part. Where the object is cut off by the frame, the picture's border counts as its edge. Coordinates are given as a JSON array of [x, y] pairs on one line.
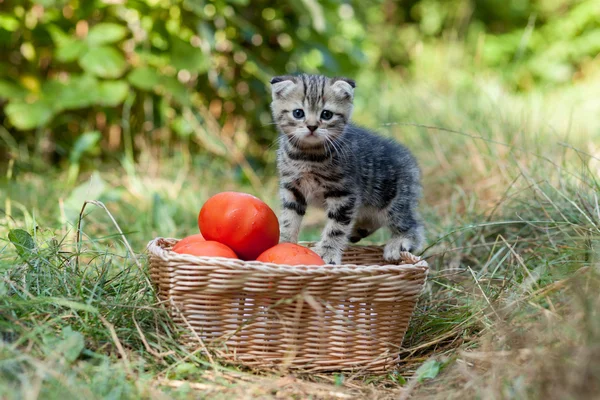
[[11, 91], [395, 375], [182, 127], [315, 9], [58, 36], [70, 50], [176, 89], [67, 347], [77, 92], [61, 301], [106, 32], [112, 93], [85, 143], [28, 116], [103, 61], [144, 78], [84, 91], [185, 369], [195, 7], [147, 78], [22, 241], [8, 22], [185, 56], [428, 370], [72, 344]]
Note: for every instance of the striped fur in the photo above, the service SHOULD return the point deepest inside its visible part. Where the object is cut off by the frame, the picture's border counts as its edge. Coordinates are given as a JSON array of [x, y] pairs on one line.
[[362, 180]]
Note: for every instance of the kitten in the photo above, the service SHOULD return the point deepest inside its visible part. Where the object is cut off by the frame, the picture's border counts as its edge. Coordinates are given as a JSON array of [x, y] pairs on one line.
[[362, 180]]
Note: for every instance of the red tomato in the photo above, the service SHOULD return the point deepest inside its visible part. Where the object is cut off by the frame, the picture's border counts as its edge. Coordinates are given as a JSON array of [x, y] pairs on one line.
[[290, 254], [206, 248], [187, 240], [241, 221]]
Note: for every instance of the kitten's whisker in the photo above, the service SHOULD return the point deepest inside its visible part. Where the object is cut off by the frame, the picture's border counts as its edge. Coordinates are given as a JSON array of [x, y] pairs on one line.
[[294, 139], [339, 152], [328, 146], [339, 148], [273, 144]]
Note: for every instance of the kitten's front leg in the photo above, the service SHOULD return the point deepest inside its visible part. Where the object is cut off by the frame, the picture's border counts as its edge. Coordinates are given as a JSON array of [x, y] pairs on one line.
[[293, 208], [342, 209]]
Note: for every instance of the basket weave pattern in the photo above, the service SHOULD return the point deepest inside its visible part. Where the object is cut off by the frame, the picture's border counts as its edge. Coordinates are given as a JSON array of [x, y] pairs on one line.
[[315, 318]]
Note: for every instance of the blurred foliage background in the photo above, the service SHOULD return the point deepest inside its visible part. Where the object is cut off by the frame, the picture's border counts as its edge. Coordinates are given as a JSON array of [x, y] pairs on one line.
[[107, 79]]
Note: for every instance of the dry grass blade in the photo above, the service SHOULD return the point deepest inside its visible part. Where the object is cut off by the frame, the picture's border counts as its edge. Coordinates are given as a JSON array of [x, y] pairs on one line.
[[285, 387], [117, 342], [194, 334], [483, 292], [116, 225], [147, 345], [212, 131]]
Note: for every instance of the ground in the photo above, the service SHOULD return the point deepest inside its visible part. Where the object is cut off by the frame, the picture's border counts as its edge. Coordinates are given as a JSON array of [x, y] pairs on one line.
[[510, 309]]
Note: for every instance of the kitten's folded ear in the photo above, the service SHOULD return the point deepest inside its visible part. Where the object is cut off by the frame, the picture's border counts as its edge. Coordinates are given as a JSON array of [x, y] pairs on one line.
[[343, 87], [277, 79], [282, 85], [349, 81]]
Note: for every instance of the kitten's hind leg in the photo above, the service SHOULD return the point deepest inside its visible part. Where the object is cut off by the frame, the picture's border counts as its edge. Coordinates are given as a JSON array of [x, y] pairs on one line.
[[358, 234], [407, 234], [366, 224]]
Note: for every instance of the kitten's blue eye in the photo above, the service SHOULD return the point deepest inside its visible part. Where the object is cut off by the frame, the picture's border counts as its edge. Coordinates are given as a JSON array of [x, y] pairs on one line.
[[298, 113], [326, 114]]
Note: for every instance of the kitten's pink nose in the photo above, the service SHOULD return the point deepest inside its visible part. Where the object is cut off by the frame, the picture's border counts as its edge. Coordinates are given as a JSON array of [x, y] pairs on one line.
[[312, 128]]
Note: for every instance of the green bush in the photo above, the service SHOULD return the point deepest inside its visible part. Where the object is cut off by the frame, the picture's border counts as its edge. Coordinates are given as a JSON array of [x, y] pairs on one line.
[[167, 71], [75, 66]]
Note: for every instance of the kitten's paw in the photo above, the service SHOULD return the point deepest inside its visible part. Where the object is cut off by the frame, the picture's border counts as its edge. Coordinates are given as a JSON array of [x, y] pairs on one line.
[[329, 254], [396, 246]]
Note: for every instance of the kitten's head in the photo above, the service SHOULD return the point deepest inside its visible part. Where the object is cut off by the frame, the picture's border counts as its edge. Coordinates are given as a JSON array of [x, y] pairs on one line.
[[310, 109]]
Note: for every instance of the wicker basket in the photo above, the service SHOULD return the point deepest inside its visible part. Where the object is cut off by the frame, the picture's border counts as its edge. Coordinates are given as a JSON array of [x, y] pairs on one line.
[[314, 318]]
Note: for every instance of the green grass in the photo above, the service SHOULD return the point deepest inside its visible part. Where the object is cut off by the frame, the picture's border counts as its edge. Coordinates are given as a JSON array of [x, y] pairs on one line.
[[509, 311]]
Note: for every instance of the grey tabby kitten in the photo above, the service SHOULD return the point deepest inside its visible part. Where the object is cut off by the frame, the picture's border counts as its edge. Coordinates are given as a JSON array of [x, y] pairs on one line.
[[362, 180]]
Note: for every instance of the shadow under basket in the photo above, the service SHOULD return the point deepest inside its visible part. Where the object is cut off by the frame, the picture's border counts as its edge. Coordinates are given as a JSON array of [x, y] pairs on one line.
[[349, 317]]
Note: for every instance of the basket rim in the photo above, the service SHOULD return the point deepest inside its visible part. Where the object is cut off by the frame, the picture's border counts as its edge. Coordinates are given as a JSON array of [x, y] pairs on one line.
[[409, 262]]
